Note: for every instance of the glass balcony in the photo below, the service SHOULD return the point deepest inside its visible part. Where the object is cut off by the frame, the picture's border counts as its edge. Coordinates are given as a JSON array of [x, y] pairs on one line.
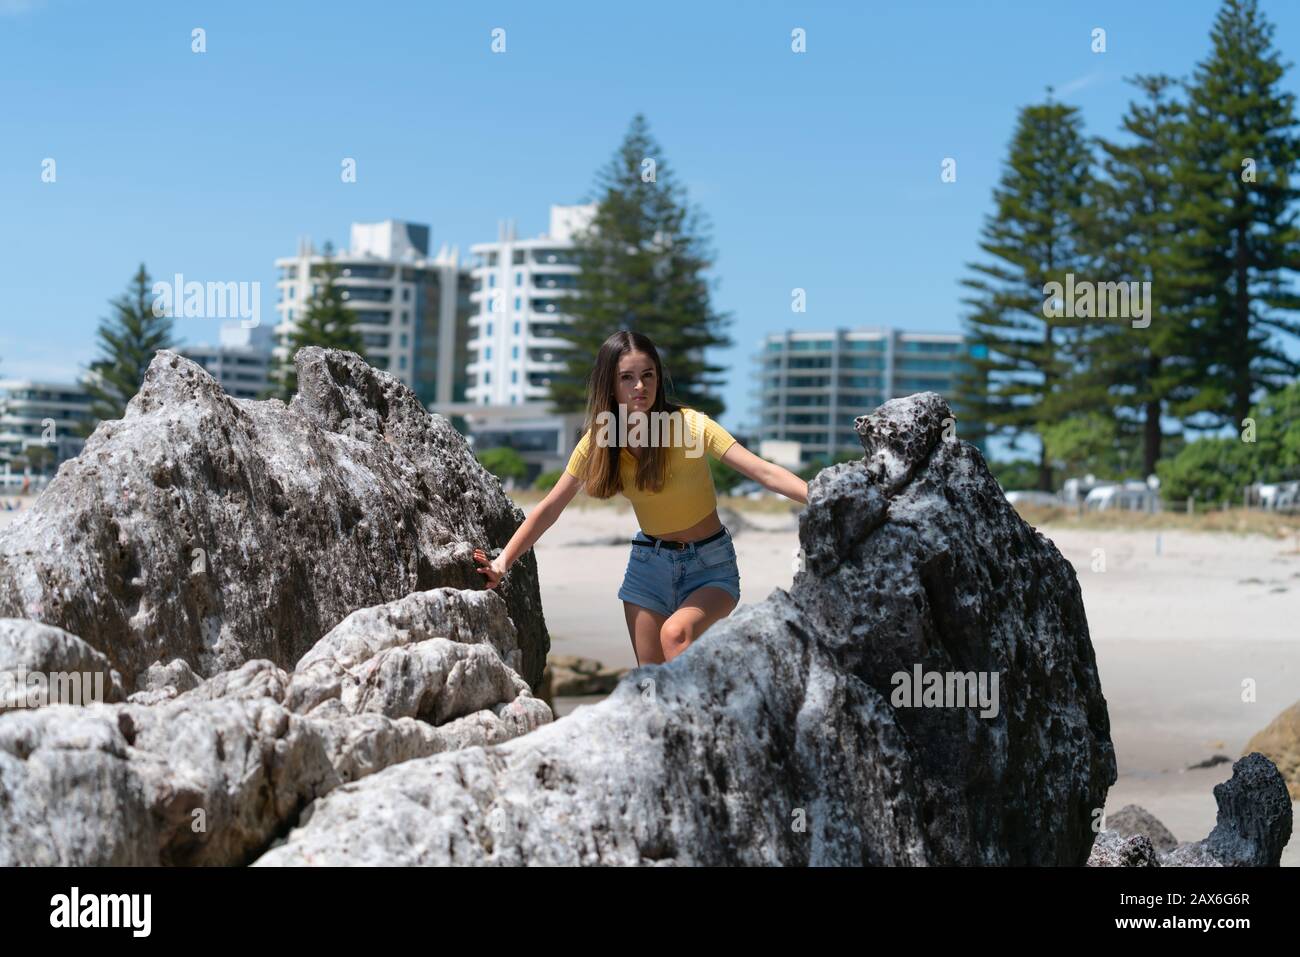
[[552, 257], [366, 293], [554, 281], [950, 347]]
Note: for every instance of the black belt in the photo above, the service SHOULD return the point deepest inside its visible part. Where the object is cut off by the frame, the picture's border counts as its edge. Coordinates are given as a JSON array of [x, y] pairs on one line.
[[668, 544]]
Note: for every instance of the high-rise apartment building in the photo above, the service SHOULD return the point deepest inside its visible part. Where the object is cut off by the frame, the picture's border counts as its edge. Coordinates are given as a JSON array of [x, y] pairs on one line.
[[520, 286], [518, 343], [814, 384], [412, 310]]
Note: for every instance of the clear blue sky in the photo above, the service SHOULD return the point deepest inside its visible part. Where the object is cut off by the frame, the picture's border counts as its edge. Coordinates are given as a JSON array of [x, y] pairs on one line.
[[818, 170]]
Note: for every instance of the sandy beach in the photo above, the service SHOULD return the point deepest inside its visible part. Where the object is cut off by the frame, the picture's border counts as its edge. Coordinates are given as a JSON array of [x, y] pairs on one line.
[[1176, 632]]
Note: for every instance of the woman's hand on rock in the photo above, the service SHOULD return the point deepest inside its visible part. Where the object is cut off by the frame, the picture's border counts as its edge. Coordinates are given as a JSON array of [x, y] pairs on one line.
[[488, 569]]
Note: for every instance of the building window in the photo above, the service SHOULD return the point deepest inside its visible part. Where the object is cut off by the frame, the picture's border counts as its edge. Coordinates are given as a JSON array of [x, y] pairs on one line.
[[404, 338], [487, 377], [516, 327], [492, 280], [519, 279], [519, 303], [401, 362], [489, 331], [487, 353], [406, 295], [292, 290], [514, 352], [514, 376]]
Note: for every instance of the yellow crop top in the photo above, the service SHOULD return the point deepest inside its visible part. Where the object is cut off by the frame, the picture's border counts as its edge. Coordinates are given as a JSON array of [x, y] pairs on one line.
[[688, 494]]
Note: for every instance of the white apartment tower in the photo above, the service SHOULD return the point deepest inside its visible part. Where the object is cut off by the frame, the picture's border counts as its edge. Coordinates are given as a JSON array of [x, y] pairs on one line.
[[413, 311], [520, 286]]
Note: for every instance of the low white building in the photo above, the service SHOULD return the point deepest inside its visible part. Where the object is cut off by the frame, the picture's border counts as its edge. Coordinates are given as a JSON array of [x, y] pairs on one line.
[[240, 361], [42, 413]]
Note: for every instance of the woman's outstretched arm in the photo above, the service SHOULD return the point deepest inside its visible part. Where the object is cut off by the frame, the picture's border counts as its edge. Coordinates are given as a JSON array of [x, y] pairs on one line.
[[771, 476], [538, 521]]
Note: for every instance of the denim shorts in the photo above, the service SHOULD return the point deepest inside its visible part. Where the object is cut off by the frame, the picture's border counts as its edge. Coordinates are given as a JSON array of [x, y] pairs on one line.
[[661, 579]]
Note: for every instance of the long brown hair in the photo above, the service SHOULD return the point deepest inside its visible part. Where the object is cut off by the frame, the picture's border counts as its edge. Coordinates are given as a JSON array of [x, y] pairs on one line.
[[601, 477]]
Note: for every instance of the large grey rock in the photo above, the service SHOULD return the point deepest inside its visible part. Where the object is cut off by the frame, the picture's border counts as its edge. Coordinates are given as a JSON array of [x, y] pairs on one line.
[[216, 530], [777, 737], [39, 663], [379, 659], [213, 774]]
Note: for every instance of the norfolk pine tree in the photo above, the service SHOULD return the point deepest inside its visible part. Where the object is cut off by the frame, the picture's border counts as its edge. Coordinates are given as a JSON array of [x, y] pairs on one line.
[[1237, 161], [641, 263], [127, 343], [1014, 380], [1133, 229]]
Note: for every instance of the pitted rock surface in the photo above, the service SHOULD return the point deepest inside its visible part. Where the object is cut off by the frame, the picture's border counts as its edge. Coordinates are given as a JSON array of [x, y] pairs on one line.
[[216, 530], [214, 774], [775, 738]]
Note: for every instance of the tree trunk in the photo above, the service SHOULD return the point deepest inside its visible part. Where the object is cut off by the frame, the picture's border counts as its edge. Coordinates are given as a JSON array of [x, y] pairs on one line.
[[1241, 361], [1151, 438]]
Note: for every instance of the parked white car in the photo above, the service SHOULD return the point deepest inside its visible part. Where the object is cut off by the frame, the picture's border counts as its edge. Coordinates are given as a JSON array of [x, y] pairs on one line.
[[1133, 496], [1278, 495], [1075, 490]]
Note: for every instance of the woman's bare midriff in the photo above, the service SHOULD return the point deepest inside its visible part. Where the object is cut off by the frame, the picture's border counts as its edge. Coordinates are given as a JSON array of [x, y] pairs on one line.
[[701, 529]]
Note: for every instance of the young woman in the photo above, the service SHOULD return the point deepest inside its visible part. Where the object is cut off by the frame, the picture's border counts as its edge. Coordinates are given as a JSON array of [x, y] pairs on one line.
[[681, 576]]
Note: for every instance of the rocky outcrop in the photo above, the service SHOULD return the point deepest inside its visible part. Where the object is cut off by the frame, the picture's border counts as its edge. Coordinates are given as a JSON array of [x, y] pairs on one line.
[[1253, 826], [40, 665], [1254, 821], [925, 693], [214, 530], [806, 729], [211, 775]]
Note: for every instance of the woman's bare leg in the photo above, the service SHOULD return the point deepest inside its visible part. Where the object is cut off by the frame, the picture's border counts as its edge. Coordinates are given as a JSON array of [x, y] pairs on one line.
[[701, 609], [643, 627]]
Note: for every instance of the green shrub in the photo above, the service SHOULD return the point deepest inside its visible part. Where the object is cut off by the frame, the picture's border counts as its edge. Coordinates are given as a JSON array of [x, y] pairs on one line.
[[1209, 470], [504, 463], [725, 478], [1017, 475], [821, 462], [546, 480]]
